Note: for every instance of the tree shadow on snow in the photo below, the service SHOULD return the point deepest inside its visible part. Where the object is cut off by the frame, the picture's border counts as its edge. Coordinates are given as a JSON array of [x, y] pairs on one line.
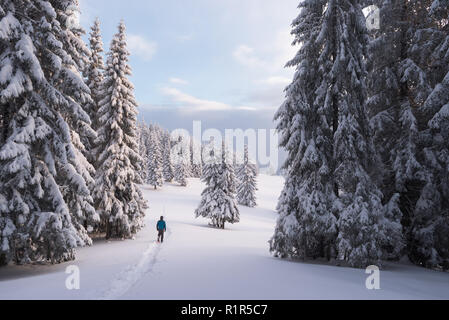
[[205, 226], [13, 272]]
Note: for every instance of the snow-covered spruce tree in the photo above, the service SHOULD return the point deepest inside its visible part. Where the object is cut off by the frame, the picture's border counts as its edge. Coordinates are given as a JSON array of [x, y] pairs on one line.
[[155, 164], [392, 122], [180, 157], [236, 163], [67, 12], [181, 170], [94, 78], [247, 184], [119, 200], [308, 205], [431, 218], [167, 170], [331, 178], [143, 135], [229, 177], [79, 201], [429, 241], [392, 109], [361, 221], [409, 62], [196, 163], [430, 223], [217, 200], [38, 158], [94, 72]]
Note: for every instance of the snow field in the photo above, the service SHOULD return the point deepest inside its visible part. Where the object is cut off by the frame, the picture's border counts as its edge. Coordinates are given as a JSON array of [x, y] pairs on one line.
[[200, 262]]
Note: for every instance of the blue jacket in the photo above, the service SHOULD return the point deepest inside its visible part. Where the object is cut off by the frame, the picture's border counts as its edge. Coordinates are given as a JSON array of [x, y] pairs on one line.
[[161, 225]]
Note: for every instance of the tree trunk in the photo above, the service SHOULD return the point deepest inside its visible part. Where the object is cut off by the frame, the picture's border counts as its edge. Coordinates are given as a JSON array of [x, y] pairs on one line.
[[334, 130], [108, 230]]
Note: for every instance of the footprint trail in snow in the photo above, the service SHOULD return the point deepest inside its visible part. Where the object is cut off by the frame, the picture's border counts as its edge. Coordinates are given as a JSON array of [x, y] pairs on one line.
[[129, 277]]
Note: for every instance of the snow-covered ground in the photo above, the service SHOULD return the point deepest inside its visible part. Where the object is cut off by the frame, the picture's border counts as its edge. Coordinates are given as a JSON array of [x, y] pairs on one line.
[[199, 262]]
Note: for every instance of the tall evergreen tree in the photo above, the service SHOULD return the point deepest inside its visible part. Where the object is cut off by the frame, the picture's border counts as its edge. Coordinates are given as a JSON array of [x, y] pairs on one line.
[[361, 219], [247, 184], [38, 158], [143, 135], [331, 180], [79, 201], [429, 241], [119, 200], [431, 227], [67, 14], [408, 63], [393, 121], [95, 71], [307, 207]]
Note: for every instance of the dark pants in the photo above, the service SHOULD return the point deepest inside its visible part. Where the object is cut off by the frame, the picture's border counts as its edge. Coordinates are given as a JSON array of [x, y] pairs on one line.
[[160, 236]]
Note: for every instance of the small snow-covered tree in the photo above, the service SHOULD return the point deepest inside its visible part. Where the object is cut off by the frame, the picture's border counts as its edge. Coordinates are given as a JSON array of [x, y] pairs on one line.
[[143, 134], [228, 163], [168, 170], [196, 163], [119, 200], [180, 156], [217, 200], [247, 184], [155, 162]]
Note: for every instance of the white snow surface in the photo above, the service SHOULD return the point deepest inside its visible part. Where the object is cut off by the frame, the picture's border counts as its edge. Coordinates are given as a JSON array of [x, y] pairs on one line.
[[199, 262]]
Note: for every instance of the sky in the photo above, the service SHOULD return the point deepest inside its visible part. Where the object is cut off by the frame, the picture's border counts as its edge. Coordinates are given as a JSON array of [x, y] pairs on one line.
[[218, 61]]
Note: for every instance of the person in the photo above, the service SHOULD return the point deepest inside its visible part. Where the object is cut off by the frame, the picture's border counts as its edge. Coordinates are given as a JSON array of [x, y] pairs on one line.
[[161, 227]]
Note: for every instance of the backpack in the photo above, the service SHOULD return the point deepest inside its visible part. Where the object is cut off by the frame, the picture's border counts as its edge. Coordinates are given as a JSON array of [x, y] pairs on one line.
[[161, 225]]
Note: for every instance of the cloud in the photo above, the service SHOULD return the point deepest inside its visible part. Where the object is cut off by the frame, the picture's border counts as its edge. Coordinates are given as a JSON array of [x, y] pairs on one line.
[[141, 47], [276, 81], [188, 103], [245, 55], [193, 104], [178, 81], [272, 95], [269, 56], [171, 118]]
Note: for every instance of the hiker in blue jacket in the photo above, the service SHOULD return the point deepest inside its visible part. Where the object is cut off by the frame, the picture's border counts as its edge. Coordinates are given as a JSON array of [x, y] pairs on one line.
[[161, 228]]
